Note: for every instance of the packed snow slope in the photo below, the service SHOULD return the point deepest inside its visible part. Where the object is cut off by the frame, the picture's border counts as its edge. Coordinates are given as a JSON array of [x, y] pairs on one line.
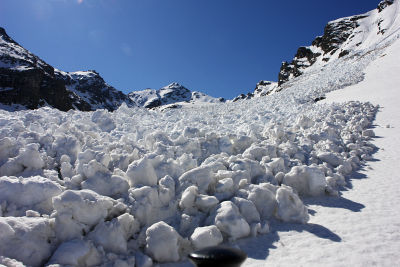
[[138, 186]]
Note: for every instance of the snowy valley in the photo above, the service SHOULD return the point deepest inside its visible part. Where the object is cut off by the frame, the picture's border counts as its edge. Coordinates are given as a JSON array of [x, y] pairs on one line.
[[128, 184]]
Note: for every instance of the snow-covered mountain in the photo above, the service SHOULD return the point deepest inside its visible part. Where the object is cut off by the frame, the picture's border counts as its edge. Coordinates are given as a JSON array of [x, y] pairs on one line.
[[26, 81], [172, 95], [344, 37]]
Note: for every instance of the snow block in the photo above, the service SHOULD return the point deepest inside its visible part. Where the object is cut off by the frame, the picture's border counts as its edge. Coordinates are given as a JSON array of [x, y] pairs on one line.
[[307, 181], [163, 242], [290, 207], [229, 221], [206, 236]]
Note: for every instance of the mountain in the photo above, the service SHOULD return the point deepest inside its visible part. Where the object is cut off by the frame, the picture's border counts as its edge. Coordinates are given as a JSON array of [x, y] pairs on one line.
[[342, 37], [171, 95], [26, 81]]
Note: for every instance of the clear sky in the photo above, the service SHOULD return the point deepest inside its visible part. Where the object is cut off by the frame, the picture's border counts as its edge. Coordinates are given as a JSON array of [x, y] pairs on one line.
[[220, 47]]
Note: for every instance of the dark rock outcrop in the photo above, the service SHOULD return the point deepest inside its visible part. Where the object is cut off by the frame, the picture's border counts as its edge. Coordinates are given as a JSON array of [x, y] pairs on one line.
[[385, 3]]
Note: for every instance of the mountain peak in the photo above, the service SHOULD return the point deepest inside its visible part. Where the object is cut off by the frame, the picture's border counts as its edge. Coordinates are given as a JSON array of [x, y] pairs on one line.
[[174, 85]]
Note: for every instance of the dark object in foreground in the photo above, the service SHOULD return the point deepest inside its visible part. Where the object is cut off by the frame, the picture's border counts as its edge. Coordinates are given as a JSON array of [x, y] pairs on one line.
[[221, 256], [319, 99]]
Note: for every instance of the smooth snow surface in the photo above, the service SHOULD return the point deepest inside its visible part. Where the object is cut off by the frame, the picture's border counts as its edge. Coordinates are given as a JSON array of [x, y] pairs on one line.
[[137, 187]]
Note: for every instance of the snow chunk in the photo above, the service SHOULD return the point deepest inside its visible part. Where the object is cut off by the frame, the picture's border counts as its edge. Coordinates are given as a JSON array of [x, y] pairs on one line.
[[229, 220], [263, 197], [187, 202], [307, 181], [141, 172], [77, 211], [28, 159], [103, 120], [290, 207], [28, 240], [206, 203], [4, 261], [201, 177], [163, 242], [331, 158], [247, 209], [29, 193], [76, 252], [206, 236], [100, 180], [368, 133], [113, 235]]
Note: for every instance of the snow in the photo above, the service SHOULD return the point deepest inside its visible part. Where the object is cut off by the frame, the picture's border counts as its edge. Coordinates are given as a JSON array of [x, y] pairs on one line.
[[274, 175]]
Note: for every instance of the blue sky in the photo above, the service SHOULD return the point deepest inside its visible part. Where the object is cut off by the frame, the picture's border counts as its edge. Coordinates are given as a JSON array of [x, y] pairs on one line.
[[220, 47]]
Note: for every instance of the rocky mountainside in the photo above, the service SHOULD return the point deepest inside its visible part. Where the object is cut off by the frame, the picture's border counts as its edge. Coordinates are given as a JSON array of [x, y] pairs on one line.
[[342, 37], [26, 81], [171, 95]]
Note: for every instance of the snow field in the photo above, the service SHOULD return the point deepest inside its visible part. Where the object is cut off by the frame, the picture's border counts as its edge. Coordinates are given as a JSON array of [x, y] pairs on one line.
[[136, 186]]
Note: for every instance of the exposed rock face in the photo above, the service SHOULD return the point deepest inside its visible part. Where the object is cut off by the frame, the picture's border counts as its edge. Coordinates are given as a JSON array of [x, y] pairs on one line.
[[168, 95], [27, 80], [382, 5], [243, 97], [92, 89]]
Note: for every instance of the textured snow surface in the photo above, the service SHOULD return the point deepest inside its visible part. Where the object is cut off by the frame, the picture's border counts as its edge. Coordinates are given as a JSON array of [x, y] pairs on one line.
[[117, 185], [138, 186]]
